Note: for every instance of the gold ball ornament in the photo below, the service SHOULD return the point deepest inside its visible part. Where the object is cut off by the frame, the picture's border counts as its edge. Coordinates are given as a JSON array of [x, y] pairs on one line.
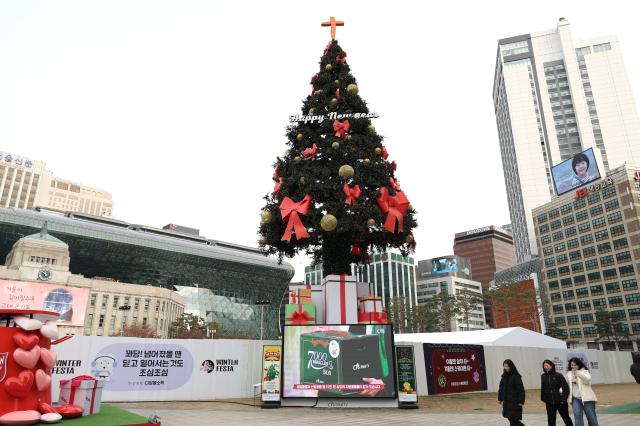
[[378, 151], [302, 180], [300, 137], [366, 162], [312, 111], [335, 146], [346, 171], [348, 137], [263, 240], [297, 160], [333, 102], [352, 88], [328, 222], [371, 223], [409, 238], [337, 82], [328, 67], [372, 129], [266, 216]]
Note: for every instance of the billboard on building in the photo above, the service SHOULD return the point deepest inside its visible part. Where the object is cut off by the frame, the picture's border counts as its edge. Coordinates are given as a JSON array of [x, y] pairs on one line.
[[575, 172], [337, 361], [445, 265], [69, 302]]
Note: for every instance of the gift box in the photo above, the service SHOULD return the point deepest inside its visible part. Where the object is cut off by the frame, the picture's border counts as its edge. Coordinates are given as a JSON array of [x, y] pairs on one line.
[[300, 295], [340, 299], [84, 391], [317, 298], [339, 358], [373, 318], [299, 314], [370, 304]]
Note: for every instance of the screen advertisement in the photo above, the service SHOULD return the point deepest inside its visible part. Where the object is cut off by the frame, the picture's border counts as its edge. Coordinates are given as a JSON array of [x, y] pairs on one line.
[[454, 368], [575, 172], [338, 361], [69, 302], [444, 265]]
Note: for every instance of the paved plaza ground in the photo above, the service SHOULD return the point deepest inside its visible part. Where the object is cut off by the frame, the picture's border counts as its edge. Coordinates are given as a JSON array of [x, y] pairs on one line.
[[477, 409]]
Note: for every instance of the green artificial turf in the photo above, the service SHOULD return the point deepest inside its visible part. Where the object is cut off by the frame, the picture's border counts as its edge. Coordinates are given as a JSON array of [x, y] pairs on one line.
[[631, 408], [108, 416]]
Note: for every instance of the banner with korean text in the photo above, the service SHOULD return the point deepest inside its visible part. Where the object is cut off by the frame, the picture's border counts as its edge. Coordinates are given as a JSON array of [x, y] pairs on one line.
[[453, 368]]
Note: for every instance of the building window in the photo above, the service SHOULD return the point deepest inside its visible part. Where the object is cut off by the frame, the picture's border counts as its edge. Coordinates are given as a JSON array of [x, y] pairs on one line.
[[593, 276], [614, 217], [92, 300], [626, 270], [589, 251], [112, 323], [543, 228], [617, 230], [591, 264], [558, 235], [596, 210], [611, 204], [136, 303], [567, 220], [634, 313], [101, 321], [555, 297], [554, 213], [559, 247], [601, 47], [593, 197], [582, 292], [570, 231], [596, 290], [573, 243], [631, 284], [563, 270], [146, 304], [624, 256], [105, 300], [116, 299], [579, 279], [547, 250], [581, 215], [608, 191], [556, 224], [609, 274], [578, 204], [575, 255], [546, 239], [632, 299], [577, 267], [88, 320], [553, 284], [584, 305], [561, 258], [604, 248], [599, 303], [542, 217], [573, 319], [613, 287], [549, 262], [599, 222], [620, 243], [583, 227]]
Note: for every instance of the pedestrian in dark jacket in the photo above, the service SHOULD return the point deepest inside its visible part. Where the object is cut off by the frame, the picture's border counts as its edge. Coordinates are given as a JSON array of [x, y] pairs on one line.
[[635, 367], [554, 391], [511, 393]]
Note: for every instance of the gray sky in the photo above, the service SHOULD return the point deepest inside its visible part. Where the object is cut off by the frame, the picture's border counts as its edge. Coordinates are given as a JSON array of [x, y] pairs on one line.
[[179, 108]]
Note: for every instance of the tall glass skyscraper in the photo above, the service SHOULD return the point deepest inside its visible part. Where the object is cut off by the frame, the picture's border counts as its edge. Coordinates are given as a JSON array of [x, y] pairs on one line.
[[555, 96]]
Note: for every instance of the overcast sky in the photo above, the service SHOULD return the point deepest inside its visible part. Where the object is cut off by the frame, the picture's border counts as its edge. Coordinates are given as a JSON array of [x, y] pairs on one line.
[[179, 108]]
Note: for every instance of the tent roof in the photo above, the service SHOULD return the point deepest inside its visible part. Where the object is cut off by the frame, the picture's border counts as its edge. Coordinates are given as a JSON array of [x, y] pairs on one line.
[[514, 336]]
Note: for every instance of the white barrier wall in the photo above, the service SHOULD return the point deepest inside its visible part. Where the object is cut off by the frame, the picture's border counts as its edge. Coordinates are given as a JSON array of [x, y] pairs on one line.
[[162, 369], [605, 366]]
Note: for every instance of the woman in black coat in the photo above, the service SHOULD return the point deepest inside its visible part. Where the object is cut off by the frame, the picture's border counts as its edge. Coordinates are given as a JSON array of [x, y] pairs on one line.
[[511, 393], [554, 391]]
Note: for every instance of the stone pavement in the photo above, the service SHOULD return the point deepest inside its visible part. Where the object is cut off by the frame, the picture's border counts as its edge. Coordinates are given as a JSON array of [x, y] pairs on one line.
[[355, 417]]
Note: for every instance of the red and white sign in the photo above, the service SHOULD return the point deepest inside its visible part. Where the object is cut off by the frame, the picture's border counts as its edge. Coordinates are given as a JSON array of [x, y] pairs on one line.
[[69, 302]]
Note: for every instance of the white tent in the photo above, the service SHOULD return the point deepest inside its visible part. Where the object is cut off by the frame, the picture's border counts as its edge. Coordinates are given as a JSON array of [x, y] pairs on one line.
[[514, 336]]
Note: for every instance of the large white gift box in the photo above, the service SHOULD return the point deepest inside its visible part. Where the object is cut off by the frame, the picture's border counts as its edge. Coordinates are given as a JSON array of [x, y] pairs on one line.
[[84, 391], [340, 299]]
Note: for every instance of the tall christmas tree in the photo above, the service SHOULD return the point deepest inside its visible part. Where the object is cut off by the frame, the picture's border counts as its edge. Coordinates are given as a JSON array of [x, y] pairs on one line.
[[336, 195]]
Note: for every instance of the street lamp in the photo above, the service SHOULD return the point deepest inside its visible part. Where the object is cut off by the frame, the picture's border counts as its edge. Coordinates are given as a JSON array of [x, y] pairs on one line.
[[124, 308], [262, 303]]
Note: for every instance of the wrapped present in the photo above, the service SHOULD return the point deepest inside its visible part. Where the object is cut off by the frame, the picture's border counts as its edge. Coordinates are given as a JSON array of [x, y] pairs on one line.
[[340, 299], [337, 361], [299, 314], [370, 304], [372, 318], [84, 391], [317, 298], [365, 289], [300, 295]]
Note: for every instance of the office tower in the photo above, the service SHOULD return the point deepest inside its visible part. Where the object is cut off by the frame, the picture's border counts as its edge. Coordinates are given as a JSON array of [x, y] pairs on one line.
[[554, 97]]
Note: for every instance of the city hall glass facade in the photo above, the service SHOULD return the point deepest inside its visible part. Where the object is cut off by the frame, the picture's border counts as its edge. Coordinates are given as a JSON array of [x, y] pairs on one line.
[[231, 278]]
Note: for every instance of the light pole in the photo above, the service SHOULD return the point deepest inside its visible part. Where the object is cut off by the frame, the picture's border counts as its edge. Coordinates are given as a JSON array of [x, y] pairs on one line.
[[125, 309], [262, 303]]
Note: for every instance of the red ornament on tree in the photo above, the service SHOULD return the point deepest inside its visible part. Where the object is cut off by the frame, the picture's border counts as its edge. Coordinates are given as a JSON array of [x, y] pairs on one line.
[[352, 194], [275, 173], [342, 58], [338, 93], [356, 250], [310, 153], [395, 206], [291, 211], [341, 128], [385, 154], [393, 184]]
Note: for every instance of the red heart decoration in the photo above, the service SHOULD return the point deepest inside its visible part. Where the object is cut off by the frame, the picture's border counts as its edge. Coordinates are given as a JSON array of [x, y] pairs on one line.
[[45, 408], [26, 341], [20, 386], [70, 411]]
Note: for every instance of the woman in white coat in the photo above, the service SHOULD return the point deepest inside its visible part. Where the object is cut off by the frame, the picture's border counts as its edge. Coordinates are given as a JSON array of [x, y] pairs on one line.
[[582, 397]]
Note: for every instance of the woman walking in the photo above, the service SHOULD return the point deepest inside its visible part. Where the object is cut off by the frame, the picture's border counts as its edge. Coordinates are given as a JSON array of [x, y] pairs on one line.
[[511, 393], [583, 399], [554, 392]]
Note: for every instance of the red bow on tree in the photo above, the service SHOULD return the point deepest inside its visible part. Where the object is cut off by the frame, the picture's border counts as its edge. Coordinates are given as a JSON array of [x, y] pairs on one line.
[[326, 49], [341, 129], [276, 188], [396, 207], [394, 165], [310, 152], [314, 78], [352, 194], [385, 154], [275, 173], [393, 184], [290, 211], [342, 58]]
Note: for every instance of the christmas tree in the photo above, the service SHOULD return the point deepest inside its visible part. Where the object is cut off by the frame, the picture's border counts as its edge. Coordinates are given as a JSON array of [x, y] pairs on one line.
[[336, 195]]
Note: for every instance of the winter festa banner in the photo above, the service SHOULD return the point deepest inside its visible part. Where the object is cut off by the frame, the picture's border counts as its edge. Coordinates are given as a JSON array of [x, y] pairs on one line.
[[69, 302], [271, 359], [452, 368], [406, 370], [337, 361], [135, 369]]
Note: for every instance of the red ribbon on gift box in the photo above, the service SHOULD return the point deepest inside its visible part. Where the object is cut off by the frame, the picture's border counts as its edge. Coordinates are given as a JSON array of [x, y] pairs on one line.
[[352, 194], [372, 317], [294, 295], [343, 299], [396, 207], [341, 129], [290, 212], [75, 382], [300, 317]]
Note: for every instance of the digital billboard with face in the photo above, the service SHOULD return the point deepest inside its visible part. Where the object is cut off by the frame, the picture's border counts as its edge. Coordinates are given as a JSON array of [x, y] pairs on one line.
[[444, 265], [575, 172], [334, 361]]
